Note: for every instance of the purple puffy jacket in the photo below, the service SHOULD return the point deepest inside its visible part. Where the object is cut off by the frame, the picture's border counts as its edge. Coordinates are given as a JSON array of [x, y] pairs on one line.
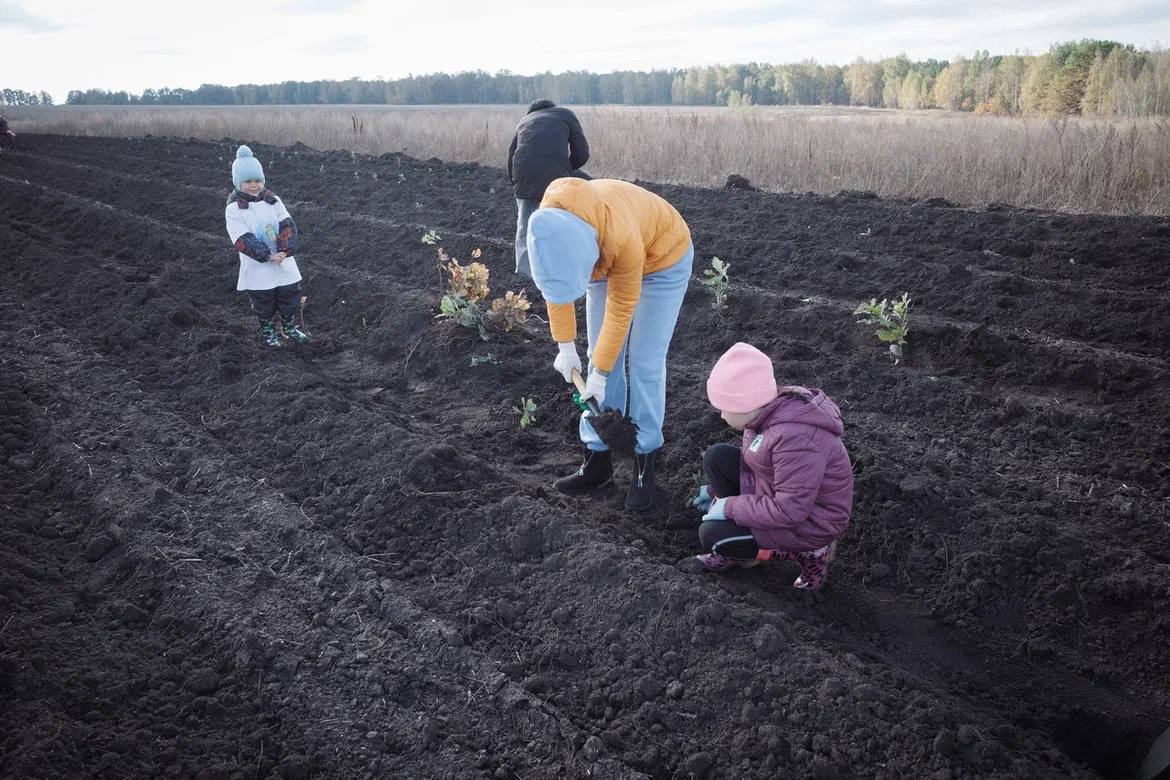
[[796, 481]]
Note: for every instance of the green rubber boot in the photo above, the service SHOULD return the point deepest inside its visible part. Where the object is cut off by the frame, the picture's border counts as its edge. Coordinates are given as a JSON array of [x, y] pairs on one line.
[[269, 334], [289, 325]]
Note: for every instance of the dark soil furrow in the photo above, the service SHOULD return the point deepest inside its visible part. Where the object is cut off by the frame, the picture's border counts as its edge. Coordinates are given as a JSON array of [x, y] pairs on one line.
[[1139, 318], [219, 568], [337, 222], [265, 519], [363, 547], [199, 161]]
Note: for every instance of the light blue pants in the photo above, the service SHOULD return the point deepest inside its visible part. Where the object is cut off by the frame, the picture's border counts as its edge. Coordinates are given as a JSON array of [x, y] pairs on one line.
[[647, 343], [524, 211]]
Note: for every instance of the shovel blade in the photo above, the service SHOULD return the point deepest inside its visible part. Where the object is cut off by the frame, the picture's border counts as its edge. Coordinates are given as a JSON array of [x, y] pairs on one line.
[[1157, 763]]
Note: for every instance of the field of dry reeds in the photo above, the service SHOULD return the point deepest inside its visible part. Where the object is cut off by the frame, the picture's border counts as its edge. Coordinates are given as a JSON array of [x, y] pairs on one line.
[[1068, 164]]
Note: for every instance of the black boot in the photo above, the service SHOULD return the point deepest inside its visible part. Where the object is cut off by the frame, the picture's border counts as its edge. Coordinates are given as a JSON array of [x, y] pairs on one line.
[[640, 496], [596, 470]]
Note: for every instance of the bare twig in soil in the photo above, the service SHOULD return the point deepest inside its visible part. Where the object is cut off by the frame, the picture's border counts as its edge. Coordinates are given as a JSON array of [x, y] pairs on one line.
[[416, 492], [259, 758], [288, 561], [279, 639], [257, 390], [301, 509], [409, 355]]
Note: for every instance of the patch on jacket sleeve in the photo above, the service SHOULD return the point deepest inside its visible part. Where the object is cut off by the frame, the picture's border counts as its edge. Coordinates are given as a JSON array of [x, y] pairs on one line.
[[756, 442]]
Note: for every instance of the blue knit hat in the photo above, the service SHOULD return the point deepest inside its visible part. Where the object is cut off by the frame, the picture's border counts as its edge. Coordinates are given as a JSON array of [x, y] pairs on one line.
[[246, 167], [563, 250]]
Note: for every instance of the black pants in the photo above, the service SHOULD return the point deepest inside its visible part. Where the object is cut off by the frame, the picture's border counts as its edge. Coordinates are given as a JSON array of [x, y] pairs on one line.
[[721, 467], [285, 299]]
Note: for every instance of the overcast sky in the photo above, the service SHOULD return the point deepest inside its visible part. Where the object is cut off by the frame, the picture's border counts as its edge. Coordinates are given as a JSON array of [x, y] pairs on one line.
[[59, 45]]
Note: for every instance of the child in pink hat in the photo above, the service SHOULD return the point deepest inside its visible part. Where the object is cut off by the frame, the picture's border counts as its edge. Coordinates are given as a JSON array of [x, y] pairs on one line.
[[786, 493]]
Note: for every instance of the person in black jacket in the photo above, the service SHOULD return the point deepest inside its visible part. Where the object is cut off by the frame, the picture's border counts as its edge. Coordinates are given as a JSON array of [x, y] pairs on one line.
[[6, 135], [549, 144]]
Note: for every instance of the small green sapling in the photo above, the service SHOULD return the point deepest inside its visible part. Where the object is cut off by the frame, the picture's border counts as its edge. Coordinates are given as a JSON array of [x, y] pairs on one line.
[[716, 280], [527, 412], [892, 319]]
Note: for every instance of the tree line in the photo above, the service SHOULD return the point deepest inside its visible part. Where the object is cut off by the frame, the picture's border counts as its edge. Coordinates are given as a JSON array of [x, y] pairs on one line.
[[18, 97], [1088, 77]]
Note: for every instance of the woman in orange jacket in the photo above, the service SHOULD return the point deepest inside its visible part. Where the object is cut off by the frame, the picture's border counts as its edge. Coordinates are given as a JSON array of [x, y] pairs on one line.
[[629, 253]]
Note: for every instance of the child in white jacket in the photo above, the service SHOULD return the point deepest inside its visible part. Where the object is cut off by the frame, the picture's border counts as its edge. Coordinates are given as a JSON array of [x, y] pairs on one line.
[[265, 235]]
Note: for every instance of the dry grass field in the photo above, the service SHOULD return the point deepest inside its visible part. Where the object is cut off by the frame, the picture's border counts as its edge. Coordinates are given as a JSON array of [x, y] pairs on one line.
[[1074, 164]]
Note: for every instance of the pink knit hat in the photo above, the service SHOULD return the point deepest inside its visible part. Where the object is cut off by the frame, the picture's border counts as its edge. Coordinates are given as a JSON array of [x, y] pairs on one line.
[[742, 380]]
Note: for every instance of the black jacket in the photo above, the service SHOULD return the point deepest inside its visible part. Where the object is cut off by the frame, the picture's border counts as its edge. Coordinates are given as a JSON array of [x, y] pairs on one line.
[[548, 144]]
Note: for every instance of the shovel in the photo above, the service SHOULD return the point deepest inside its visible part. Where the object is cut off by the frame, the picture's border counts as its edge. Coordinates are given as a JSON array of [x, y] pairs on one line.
[[589, 405], [1157, 763], [615, 430]]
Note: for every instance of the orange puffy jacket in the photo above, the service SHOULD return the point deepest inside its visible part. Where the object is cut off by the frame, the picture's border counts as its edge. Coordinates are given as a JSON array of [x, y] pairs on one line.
[[638, 233]]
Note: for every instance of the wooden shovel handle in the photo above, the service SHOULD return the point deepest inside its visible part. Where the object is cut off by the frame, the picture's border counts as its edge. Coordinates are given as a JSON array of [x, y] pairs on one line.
[[578, 380], [579, 383]]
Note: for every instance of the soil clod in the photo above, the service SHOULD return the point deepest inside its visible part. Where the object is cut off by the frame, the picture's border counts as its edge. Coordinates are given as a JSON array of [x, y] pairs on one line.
[[616, 430]]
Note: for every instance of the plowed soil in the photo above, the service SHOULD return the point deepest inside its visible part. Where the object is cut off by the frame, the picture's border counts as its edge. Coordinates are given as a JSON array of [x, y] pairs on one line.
[[347, 560]]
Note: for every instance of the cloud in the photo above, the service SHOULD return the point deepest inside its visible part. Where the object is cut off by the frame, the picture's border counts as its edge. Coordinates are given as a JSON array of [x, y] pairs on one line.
[[877, 15], [1102, 17], [318, 6], [743, 16], [352, 43], [12, 14], [841, 30], [160, 51]]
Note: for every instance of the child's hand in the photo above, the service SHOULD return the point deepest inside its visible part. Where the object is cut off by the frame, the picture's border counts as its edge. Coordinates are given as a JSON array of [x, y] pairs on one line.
[[703, 500], [278, 258], [717, 510]]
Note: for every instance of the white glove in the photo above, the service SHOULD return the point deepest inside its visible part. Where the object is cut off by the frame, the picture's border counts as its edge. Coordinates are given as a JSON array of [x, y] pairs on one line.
[[567, 360], [594, 387]]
